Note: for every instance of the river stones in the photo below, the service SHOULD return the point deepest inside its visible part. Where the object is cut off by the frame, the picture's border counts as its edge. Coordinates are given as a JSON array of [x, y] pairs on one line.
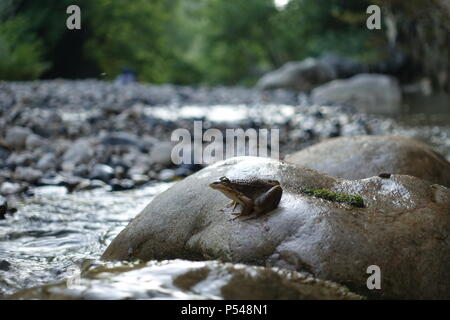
[[403, 228], [366, 156], [180, 279]]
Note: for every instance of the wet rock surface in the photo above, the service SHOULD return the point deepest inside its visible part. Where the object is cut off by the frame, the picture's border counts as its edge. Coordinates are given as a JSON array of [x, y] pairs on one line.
[[4, 265], [180, 279], [366, 156], [3, 207], [403, 228]]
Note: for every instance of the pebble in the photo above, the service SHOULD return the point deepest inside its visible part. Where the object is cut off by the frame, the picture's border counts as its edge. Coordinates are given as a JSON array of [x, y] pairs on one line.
[[47, 162], [122, 139], [3, 207], [166, 175], [8, 188], [4, 265], [27, 174], [16, 137], [121, 184], [34, 141], [102, 172]]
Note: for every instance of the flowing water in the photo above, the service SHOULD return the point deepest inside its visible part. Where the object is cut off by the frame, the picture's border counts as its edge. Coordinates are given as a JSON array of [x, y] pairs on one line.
[[53, 231]]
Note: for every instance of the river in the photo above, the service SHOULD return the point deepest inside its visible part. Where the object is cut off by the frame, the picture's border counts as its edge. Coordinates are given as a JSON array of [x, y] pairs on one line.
[[54, 230]]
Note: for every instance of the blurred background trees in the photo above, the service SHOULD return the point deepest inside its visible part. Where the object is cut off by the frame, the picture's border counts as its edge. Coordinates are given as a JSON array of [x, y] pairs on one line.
[[213, 41]]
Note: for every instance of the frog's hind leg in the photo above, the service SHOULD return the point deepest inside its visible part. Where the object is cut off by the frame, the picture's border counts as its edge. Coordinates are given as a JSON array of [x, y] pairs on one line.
[[253, 216]]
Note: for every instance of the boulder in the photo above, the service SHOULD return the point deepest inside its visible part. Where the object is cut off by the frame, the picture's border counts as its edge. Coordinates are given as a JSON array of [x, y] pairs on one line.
[[361, 157], [403, 227], [344, 67], [311, 72], [299, 76], [373, 93], [180, 279]]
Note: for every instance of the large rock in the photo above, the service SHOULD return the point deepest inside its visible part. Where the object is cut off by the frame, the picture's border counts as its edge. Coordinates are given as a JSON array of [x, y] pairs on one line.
[[180, 279], [404, 228], [375, 93], [299, 76], [311, 72], [344, 67], [366, 156]]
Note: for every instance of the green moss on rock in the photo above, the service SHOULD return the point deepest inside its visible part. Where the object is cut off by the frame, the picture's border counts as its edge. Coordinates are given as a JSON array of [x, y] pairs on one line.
[[354, 200]]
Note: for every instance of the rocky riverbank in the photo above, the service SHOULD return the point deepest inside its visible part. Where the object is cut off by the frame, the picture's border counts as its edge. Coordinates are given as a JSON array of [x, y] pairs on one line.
[[60, 137], [89, 134]]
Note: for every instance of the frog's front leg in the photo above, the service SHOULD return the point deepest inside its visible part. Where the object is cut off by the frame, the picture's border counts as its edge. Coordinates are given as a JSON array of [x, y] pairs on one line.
[[232, 204], [247, 206]]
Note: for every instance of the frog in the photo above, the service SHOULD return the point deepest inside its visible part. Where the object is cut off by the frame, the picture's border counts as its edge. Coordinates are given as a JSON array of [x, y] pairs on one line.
[[259, 196]]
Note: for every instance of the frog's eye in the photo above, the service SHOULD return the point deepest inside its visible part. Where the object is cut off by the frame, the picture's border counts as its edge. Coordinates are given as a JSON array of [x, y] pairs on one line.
[[224, 179]]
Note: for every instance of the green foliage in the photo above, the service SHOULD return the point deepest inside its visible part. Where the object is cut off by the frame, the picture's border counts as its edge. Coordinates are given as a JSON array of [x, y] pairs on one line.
[[130, 33], [211, 41], [235, 39], [308, 28], [20, 52], [239, 39]]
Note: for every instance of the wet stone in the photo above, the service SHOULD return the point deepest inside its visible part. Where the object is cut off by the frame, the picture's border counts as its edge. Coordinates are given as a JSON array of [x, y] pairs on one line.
[[3, 207], [179, 279], [16, 137], [27, 174], [121, 184], [4, 265], [8, 188], [102, 172], [312, 231]]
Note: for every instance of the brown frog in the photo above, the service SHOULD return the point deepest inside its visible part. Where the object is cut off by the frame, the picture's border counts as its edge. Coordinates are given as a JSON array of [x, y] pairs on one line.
[[258, 196]]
